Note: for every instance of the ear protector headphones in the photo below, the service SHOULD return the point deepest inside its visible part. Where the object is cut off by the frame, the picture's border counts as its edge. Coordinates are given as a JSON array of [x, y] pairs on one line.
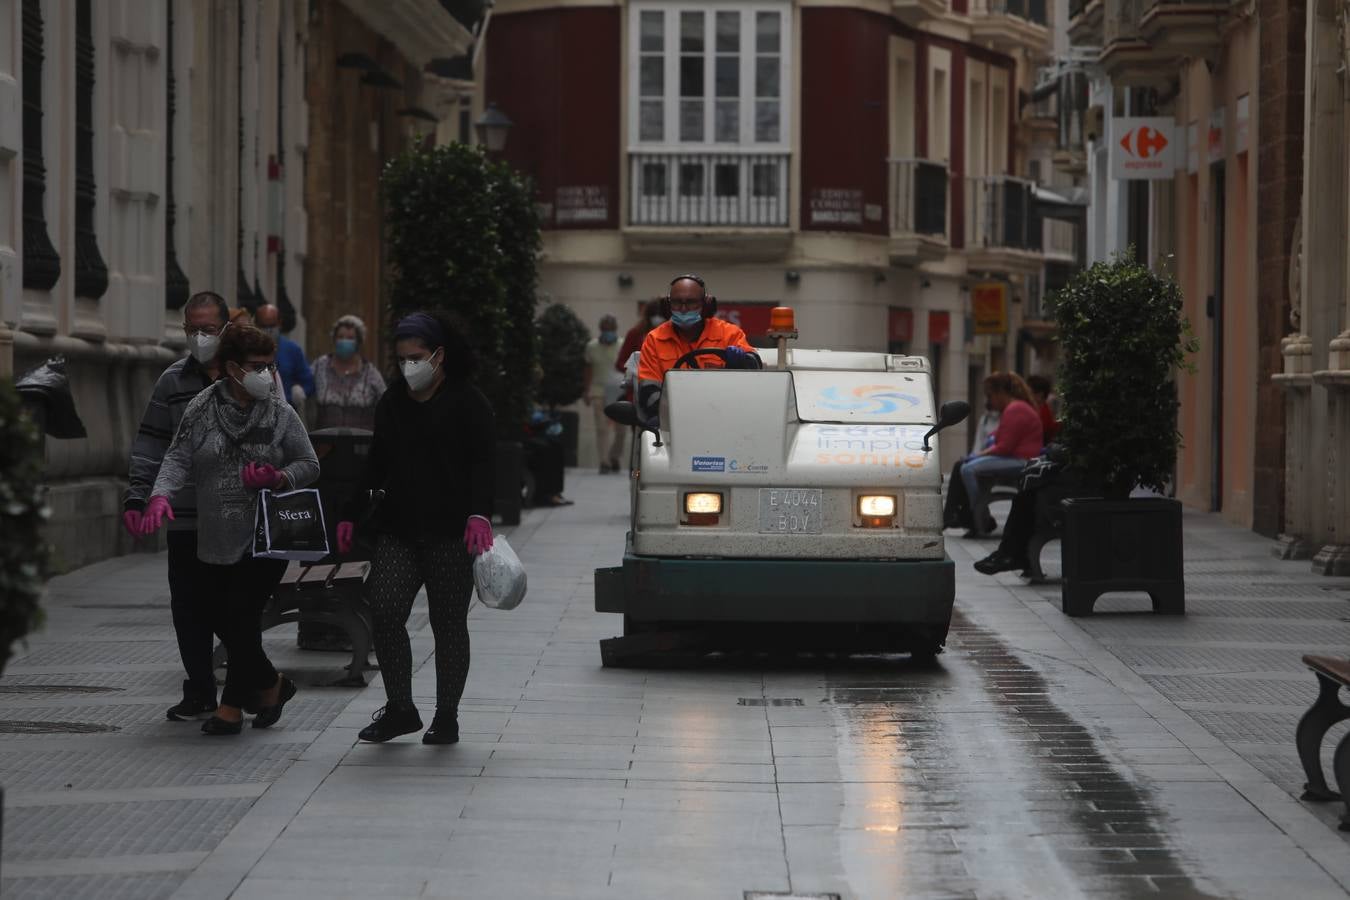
[[709, 301]]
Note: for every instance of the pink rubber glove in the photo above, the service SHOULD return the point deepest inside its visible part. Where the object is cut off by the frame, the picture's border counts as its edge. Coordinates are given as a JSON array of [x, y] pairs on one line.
[[131, 521], [155, 511], [257, 476], [346, 536], [477, 535]]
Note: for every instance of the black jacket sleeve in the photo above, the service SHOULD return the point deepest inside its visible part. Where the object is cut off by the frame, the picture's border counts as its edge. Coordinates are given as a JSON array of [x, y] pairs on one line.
[[378, 463], [482, 472]]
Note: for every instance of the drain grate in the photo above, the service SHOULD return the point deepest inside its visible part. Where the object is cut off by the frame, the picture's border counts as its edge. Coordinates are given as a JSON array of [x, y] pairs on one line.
[[58, 689], [16, 726], [769, 701]]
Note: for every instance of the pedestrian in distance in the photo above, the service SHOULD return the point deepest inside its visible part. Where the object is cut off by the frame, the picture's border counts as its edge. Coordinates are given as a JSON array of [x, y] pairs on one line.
[[601, 387], [297, 380], [347, 386], [1042, 397], [632, 343], [205, 318], [433, 459], [236, 438]]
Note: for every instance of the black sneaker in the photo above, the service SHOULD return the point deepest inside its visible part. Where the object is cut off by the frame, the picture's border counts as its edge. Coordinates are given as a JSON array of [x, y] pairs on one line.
[[389, 722], [444, 729], [268, 715], [192, 706]]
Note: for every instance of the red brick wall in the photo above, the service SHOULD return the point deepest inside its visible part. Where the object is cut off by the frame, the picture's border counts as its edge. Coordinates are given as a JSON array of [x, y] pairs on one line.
[[556, 73], [1278, 201]]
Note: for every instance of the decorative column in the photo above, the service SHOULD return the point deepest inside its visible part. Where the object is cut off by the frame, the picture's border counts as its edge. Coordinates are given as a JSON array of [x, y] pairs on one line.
[[41, 263], [176, 287], [91, 273], [1296, 379]]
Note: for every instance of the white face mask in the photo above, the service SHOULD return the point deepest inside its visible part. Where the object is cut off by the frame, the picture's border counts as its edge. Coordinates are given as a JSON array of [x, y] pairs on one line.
[[418, 373], [258, 384], [204, 347]]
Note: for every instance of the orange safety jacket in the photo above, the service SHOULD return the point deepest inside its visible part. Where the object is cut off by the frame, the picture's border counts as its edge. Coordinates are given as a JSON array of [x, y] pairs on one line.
[[664, 346]]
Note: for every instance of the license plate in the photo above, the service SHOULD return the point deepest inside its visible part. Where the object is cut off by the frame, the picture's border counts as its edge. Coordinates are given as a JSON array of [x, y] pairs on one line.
[[790, 511]]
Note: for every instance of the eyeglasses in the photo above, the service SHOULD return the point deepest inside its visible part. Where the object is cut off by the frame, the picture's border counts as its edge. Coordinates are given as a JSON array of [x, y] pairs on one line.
[[686, 304], [269, 368], [209, 330]]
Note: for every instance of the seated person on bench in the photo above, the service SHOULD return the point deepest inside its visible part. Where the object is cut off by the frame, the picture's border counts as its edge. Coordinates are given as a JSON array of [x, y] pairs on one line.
[[1017, 439]]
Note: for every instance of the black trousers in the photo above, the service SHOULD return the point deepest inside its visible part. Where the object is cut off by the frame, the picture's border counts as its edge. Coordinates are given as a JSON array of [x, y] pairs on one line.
[[400, 568], [191, 623], [233, 597], [1020, 526], [545, 459]]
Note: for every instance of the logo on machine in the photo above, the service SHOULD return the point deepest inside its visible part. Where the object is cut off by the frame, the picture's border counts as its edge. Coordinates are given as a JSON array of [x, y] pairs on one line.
[[877, 399], [710, 464], [748, 468]]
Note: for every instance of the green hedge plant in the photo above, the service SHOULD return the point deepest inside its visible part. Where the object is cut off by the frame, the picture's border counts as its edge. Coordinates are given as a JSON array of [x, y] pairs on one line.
[[462, 235], [25, 555], [1123, 337], [562, 355]]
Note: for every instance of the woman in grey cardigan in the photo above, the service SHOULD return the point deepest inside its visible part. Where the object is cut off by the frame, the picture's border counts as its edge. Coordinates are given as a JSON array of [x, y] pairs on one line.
[[236, 438]]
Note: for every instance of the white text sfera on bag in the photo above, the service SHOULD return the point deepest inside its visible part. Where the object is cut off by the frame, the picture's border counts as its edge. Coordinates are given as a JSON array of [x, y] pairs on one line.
[[290, 526]]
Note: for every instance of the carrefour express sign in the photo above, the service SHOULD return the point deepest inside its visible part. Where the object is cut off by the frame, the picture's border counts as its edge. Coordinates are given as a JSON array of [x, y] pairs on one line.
[[1143, 148]]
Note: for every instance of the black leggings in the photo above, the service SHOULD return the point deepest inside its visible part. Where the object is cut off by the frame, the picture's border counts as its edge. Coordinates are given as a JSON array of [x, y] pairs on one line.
[[234, 597], [401, 566], [191, 619]]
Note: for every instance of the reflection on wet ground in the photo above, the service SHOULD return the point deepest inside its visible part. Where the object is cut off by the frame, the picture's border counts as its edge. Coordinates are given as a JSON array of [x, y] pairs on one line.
[[998, 791]]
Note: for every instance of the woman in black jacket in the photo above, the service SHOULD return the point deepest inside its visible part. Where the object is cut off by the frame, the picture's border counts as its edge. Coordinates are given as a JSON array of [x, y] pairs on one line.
[[433, 457]]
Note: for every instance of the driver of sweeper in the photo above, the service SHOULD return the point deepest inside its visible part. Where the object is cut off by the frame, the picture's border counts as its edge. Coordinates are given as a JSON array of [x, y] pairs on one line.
[[690, 325]]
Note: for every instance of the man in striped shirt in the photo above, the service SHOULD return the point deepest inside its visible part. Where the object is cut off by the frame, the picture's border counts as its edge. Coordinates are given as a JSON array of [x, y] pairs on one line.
[[205, 316]]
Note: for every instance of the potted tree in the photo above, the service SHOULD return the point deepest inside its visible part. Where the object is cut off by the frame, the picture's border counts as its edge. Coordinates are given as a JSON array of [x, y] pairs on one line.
[[462, 235], [1123, 338], [24, 553], [562, 360]]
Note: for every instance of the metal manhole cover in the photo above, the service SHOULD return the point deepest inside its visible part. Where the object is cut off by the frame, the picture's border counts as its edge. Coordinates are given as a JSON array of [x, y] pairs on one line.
[[769, 701], [57, 689], [15, 726]]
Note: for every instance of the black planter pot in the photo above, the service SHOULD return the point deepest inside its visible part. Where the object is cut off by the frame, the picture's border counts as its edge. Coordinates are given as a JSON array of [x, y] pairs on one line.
[[510, 478], [571, 423], [1122, 545]]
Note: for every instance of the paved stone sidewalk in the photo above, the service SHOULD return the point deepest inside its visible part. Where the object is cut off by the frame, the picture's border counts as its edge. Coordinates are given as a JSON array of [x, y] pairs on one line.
[[1040, 759]]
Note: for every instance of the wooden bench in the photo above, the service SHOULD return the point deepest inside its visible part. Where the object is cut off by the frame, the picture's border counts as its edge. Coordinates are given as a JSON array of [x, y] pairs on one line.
[[328, 594], [1332, 675]]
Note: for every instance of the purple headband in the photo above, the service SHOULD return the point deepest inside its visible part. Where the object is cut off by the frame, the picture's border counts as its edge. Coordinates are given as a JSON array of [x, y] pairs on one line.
[[422, 326]]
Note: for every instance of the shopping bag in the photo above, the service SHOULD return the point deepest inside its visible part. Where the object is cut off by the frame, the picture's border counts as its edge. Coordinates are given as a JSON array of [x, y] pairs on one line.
[[498, 576], [290, 526]]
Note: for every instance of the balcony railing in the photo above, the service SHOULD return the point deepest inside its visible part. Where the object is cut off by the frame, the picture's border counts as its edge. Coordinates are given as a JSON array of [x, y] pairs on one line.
[[1031, 10], [746, 190], [1121, 21], [919, 197], [1000, 215]]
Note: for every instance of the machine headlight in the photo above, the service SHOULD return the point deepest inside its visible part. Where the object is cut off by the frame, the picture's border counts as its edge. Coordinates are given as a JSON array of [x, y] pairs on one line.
[[706, 504], [876, 506]]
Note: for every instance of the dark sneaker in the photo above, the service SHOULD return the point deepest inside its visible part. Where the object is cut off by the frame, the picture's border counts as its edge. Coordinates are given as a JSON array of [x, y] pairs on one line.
[[389, 722], [444, 729], [193, 705], [999, 562], [268, 715]]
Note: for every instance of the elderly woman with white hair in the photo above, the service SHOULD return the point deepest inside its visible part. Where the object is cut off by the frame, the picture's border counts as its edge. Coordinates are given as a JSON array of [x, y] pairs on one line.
[[347, 385]]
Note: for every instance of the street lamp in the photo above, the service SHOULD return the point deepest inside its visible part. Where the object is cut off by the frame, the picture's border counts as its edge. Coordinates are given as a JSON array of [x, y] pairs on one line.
[[492, 127]]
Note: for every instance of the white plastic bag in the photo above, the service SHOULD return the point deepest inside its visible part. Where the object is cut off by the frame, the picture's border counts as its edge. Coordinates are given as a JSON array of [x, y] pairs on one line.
[[499, 576]]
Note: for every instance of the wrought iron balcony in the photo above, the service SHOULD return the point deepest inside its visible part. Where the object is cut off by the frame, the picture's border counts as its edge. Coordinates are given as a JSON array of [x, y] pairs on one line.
[[916, 12], [1009, 24], [1003, 231], [918, 201], [715, 189], [1144, 40]]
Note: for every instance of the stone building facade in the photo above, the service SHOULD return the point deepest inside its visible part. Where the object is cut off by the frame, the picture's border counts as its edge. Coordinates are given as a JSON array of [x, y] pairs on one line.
[[152, 149]]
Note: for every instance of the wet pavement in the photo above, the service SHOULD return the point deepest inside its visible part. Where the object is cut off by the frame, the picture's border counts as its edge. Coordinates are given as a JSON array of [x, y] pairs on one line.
[[1039, 758]]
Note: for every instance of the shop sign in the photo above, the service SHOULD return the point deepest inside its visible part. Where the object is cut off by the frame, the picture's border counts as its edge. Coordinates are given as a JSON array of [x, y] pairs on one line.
[[900, 325], [585, 204], [752, 318], [836, 206], [989, 307], [1143, 148], [1214, 143], [939, 327]]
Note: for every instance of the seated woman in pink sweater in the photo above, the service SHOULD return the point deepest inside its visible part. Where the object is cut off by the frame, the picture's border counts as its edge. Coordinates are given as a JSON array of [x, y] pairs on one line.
[[1019, 435]]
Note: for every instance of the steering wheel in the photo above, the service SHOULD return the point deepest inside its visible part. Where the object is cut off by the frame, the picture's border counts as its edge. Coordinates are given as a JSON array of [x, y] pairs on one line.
[[690, 359]]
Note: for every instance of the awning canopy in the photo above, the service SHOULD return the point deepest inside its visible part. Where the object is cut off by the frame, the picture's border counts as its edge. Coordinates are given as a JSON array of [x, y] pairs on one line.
[[1069, 207]]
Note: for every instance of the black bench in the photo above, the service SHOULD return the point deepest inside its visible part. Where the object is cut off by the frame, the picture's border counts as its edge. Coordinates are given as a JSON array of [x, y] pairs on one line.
[[1332, 675], [326, 594]]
